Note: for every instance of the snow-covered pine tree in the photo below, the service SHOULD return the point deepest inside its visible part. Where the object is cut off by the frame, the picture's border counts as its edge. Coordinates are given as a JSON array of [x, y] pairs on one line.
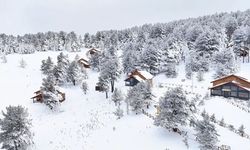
[[84, 87], [74, 74], [139, 97], [15, 133], [135, 100], [110, 66], [47, 66], [22, 64], [169, 59], [60, 70], [206, 135], [213, 119], [4, 59], [103, 83], [224, 62], [150, 59], [174, 109], [94, 61], [86, 40], [230, 24], [117, 97], [205, 45], [231, 127], [239, 39], [130, 57], [200, 75], [241, 130], [222, 122], [118, 112], [49, 92]]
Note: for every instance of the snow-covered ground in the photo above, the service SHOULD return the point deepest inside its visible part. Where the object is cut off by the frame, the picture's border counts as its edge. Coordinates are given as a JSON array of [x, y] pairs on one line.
[[86, 122]]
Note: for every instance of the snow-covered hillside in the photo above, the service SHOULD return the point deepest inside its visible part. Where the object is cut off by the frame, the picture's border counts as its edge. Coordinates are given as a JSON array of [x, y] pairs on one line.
[[87, 122]]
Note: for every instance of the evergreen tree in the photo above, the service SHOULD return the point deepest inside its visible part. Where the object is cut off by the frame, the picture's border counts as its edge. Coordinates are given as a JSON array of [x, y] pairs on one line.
[[174, 109], [84, 87], [139, 97], [103, 83], [213, 119], [206, 135], [23, 64], [74, 73], [130, 57], [118, 112], [239, 39], [4, 59], [150, 59], [241, 130], [94, 61], [47, 66], [224, 63], [49, 92], [222, 122], [117, 97], [15, 127], [110, 67], [205, 45], [60, 70], [200, 76], [231, 25]]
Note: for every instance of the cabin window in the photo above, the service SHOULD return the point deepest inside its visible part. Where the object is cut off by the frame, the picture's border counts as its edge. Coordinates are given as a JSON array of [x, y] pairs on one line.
[[234, 94], [233, 88], [127, 83], [243, 95], [216, 92]]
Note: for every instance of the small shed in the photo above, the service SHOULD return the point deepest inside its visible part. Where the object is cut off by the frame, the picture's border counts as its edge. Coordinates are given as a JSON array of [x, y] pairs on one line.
[[84, 62], [137, 76], [231, 86]]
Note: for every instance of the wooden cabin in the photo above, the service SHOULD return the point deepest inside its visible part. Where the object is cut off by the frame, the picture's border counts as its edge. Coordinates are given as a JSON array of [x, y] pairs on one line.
[[137, 76], [231, 86], [39, 96], [84, 63]]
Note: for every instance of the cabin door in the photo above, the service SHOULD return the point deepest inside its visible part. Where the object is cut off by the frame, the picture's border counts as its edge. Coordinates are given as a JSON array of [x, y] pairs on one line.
[[226, 93]]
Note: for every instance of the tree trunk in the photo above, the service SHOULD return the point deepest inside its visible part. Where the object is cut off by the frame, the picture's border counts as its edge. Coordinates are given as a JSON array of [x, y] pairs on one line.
[[107, 95], [127, 105], [112, 85]]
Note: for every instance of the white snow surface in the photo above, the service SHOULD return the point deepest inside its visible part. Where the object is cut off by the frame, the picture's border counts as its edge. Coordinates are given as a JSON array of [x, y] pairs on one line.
[[87, 122]]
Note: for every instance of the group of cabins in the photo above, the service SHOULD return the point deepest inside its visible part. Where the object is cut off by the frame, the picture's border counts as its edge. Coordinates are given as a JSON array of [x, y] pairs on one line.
[[228, 86]]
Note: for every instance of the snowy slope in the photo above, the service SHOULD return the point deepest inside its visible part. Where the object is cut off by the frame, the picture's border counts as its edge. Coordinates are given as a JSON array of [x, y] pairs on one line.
[[87, 121]]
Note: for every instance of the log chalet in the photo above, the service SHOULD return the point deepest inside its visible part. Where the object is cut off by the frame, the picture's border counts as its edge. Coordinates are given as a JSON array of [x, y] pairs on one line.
[[137, 76], [231, 86], [39, 96]]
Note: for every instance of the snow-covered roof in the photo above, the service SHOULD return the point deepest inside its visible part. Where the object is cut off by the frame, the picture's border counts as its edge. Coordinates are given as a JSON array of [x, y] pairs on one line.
[[229, 76], [138, 78], [146, 74]]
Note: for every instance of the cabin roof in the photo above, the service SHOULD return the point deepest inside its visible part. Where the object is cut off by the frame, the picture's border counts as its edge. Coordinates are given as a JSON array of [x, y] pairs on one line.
[[146, 74], [94, 49], [138, 78], [230, 76], [83, 61], [140, 75]]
